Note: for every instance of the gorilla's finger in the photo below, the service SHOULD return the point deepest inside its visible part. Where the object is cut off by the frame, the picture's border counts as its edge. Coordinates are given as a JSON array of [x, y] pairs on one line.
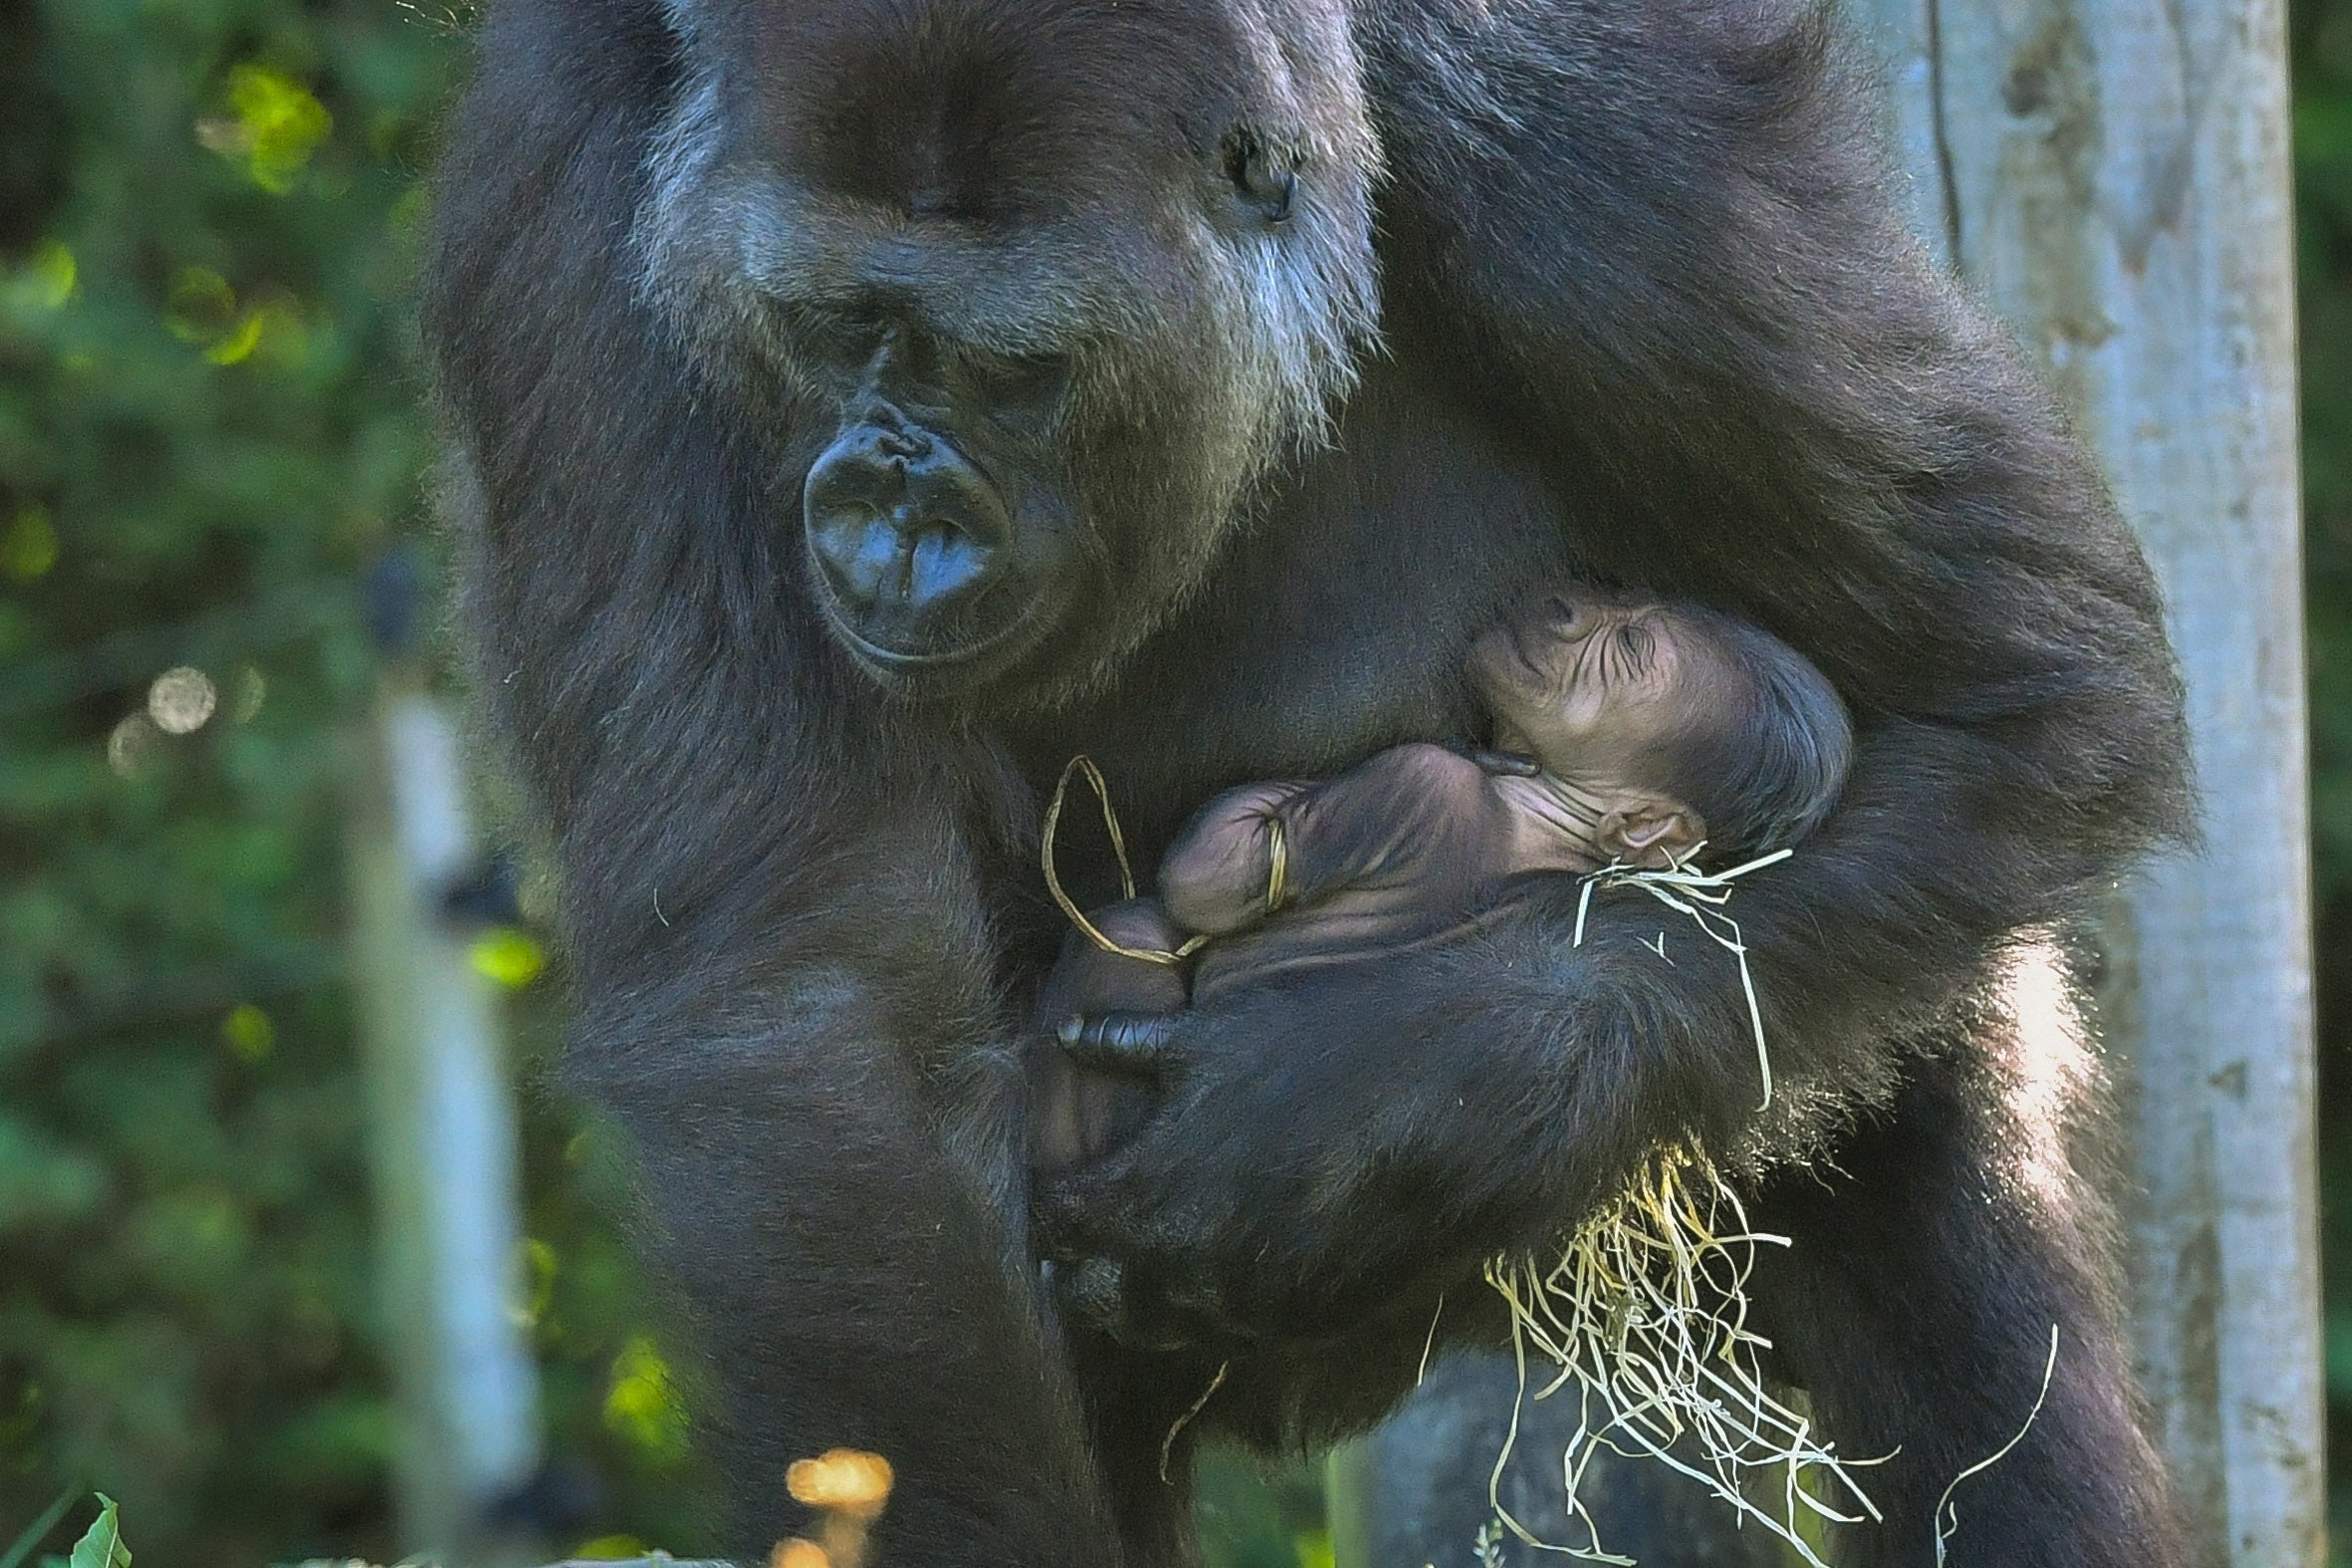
[[1113, 1299], [1092, 1292], [1509, 764], [1120, 1042]]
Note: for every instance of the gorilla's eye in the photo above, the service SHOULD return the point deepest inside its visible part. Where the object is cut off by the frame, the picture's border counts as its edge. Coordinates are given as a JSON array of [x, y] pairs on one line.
[[1023, 386], [842, 340], [1265, 177]]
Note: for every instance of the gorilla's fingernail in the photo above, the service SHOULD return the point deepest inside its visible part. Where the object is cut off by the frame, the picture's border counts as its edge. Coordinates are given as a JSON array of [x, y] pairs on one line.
[[1071, 1030]]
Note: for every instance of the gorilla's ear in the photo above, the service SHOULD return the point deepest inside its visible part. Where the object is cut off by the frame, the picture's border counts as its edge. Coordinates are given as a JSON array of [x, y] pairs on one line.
[[1651, 831]]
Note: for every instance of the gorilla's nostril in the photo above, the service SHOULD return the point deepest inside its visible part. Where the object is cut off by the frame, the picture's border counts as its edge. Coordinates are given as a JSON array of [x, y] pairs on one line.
[[903, 444]]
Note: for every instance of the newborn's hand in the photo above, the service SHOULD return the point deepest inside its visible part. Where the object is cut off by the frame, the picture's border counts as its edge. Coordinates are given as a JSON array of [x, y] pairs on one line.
[[1390, 852], [1227, 870]]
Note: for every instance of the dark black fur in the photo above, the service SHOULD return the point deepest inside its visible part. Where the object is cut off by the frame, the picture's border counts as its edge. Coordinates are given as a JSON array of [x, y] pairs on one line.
[[1646, 313]]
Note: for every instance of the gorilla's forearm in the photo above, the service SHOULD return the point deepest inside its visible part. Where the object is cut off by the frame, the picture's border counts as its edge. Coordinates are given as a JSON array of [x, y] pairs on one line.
[[842, 1274], [1834, 445]]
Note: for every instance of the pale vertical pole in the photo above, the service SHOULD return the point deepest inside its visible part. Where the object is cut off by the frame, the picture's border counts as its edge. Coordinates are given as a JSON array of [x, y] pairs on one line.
[[1907, 37], [2113, 174], [442, 1139]]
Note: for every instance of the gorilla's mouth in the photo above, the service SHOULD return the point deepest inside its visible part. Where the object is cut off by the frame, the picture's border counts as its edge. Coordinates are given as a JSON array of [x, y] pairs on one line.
[[942, 664], [916, 558]]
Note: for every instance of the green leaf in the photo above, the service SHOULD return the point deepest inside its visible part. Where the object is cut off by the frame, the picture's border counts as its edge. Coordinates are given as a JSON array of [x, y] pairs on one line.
[[102, 1545]]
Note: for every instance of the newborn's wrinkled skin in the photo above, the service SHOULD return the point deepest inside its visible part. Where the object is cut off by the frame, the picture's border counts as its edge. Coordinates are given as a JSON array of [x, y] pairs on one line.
[[1408, 846]]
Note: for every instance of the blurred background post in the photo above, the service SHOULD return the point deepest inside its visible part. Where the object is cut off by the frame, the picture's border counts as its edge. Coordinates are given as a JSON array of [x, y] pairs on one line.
[[2115, 177], [442, 1122]]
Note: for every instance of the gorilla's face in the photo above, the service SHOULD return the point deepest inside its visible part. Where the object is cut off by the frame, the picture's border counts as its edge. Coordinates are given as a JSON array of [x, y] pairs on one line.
[[1028, 294]]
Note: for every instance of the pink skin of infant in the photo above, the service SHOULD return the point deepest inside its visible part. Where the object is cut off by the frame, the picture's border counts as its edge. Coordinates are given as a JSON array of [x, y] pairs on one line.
[[1597, 706]]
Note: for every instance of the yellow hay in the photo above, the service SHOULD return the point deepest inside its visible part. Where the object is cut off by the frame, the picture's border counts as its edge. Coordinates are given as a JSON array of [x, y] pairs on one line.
[[1645, 1313], [1701, 895]]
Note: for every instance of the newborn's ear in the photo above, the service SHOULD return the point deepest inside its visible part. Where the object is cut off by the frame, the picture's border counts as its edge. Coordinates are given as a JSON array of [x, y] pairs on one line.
[[1651, 831]]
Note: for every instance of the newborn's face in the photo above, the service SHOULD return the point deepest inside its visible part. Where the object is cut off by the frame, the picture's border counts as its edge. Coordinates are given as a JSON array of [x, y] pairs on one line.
[[1590, 686]]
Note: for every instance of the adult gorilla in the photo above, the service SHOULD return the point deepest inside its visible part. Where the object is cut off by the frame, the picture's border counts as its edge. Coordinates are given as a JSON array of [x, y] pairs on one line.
[[864, 404]]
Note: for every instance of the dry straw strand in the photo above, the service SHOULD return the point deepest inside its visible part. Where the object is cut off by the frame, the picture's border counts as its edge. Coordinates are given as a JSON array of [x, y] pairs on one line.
[[1190, 1415], [1946, 1513], [1083, 766], [1701, 894], [1645, 1313]]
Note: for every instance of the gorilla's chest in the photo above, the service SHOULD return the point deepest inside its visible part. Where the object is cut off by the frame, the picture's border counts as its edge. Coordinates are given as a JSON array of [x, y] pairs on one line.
[[1338, 625]]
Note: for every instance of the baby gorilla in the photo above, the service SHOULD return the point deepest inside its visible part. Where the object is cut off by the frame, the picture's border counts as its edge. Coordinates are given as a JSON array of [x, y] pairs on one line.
[[1622, 732]]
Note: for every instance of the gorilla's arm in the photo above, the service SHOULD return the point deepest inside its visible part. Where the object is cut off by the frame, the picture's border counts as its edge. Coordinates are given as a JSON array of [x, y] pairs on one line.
[[1952, 1234], [780, 957], [1658, 241], [1652, 241]]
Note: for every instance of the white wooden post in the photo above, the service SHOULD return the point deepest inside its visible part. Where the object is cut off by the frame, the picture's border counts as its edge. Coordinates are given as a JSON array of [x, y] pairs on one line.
[[2113, 174]]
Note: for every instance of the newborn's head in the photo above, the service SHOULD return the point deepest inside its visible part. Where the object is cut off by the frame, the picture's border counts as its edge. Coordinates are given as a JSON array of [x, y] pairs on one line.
[[1678, 722]]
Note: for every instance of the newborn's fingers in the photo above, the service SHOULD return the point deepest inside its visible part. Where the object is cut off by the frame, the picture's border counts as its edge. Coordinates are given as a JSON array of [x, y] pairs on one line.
[[1120, 1041]]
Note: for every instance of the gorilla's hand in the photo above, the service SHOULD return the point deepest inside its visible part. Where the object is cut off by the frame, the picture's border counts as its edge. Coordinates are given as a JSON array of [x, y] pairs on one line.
[[1336, 1136]]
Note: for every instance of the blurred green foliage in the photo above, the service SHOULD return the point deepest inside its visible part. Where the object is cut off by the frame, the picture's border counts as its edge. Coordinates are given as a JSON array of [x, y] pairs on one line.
[[208, 428], [2322, 45]]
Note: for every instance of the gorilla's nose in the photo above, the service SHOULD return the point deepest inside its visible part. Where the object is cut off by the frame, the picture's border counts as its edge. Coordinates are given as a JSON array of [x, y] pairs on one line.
[[908, 535]]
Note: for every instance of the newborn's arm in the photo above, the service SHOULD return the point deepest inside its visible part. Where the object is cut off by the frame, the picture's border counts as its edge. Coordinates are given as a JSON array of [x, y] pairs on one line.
[[1393, 819]]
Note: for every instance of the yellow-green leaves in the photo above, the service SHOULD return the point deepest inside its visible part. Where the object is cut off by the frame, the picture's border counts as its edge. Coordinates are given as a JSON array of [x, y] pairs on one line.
[[28, 546], [51, 277], [202, 309], [249, 1033], [272, 127], [509, 955], [644, 1406]]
